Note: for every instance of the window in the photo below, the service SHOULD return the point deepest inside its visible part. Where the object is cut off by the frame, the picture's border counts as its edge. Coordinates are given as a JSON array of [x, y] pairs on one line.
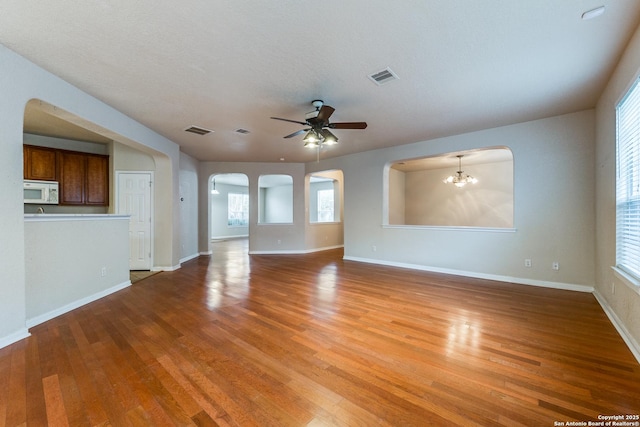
[[628, 183], [325, 205], [238, 210]]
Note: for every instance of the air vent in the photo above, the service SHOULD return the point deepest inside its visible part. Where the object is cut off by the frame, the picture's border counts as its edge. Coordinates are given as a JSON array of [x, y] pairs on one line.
[[384, 76], [242, 131], [198, 130]]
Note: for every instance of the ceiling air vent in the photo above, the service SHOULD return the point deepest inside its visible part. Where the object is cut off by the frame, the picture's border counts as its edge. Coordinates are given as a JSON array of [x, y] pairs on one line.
[[384, 76], [242, 131], [198, 130]]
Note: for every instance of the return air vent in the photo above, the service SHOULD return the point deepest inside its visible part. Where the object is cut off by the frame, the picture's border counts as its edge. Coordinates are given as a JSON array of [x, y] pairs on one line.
[[242, 131], [198, 130], [384, 76]]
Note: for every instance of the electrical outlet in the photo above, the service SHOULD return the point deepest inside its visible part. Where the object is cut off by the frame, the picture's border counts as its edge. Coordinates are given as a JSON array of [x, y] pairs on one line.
[[555, 265], [527, 262], [374, 248], [103, 271], [613, 288], [279, 241]]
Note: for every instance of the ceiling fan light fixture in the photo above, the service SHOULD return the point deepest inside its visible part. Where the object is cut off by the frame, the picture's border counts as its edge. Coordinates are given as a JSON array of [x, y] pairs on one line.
[[328, 137], [317, 133], [310, 144], [312, 137]]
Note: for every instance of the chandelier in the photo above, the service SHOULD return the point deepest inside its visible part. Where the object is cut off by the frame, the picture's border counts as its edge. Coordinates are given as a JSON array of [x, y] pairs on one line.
[[460, 179]]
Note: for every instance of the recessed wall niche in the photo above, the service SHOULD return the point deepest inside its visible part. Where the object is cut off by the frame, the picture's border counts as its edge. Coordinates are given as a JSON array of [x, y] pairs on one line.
[[275, 198], [417, 195]]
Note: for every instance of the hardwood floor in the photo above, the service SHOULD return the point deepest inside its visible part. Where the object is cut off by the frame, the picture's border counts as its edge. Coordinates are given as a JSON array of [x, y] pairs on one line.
[[314, 340]]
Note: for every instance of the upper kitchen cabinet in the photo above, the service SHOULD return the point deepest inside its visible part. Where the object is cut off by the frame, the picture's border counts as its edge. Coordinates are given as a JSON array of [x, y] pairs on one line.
[[39, 163], [84, 178], [72, 173], [97, 190]]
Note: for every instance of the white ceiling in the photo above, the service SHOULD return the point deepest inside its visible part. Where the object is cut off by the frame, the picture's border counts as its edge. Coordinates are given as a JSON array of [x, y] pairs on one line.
[[224, 65]]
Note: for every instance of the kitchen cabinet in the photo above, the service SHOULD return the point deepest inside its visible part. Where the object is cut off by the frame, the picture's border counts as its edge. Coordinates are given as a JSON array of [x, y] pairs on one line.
[[84, 178], [97, 190], [72, 172], [39, 163]]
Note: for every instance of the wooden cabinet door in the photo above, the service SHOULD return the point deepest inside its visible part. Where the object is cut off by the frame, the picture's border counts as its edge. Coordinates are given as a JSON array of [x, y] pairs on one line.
[[39, 163], [97, 185], [72, 170]]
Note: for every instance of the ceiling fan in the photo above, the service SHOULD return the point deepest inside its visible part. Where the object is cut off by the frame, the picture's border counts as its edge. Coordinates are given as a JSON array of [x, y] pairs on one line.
[[318, 132]]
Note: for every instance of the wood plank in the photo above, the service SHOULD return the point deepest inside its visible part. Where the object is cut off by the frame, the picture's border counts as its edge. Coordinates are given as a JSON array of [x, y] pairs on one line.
[[16, 412], [56, 412], [5, 374], [36, 410]]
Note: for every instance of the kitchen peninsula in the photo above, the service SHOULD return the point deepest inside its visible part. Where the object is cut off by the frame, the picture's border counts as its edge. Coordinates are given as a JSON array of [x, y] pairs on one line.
[[73, 259]]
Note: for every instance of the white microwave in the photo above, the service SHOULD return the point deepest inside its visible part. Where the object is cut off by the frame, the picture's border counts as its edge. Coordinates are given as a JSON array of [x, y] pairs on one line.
[[41, 192]]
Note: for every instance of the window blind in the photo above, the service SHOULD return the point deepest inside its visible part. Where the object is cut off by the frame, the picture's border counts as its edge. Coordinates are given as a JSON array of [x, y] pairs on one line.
[[628, 182]]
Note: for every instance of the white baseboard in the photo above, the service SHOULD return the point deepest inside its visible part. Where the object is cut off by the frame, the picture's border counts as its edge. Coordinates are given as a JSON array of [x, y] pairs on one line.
[[325, 248], [162, 268], [236, 236], [14, 337], [76, 304], [295, 252], [622, 330], [206, 253], [189, 258], [509, 279]]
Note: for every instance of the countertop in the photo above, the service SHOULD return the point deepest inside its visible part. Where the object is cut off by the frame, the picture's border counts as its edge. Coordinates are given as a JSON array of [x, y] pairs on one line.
[[45, 217]]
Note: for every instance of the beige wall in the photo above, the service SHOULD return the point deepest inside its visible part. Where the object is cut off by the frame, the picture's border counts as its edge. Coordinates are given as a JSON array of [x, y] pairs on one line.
[[396, 193], [130, 159], [488, 203], [554, 214], [620, 300]]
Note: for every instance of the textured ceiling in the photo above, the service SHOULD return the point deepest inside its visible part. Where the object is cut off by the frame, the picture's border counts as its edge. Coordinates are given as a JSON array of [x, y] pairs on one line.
[[462, 65]]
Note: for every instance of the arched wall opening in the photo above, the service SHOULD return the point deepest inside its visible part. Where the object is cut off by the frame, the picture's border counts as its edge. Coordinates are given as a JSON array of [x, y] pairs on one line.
[[324, 203], [229, 206], [67, 130]]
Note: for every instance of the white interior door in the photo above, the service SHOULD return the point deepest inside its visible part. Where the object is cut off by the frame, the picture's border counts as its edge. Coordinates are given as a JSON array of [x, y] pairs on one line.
[[134, 198]]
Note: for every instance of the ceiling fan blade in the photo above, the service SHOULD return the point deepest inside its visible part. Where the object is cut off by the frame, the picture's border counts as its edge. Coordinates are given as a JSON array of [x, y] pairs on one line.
[[348, 125], [301, 131], [287, 120], [325, 112]]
